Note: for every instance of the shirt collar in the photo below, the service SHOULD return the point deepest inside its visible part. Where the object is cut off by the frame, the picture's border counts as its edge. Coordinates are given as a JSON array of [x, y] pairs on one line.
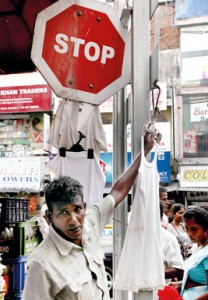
[[63, 246]]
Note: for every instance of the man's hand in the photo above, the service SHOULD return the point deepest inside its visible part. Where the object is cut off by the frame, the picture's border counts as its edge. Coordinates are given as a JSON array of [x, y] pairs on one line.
[[149, 142]]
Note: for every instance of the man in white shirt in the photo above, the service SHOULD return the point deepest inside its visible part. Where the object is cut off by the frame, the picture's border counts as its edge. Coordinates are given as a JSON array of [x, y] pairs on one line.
[[163, 194], [172, 258], [68, 264]]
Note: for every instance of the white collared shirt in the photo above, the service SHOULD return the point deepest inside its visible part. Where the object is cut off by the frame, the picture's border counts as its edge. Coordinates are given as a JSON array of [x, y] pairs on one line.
[[171, 251], [58, 269]]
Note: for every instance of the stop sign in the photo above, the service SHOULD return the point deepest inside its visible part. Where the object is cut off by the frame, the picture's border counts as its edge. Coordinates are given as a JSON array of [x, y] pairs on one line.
[[82, 50]]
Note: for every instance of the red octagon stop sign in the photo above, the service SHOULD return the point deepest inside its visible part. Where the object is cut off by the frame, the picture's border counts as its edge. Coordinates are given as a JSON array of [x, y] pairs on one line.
[[82, 50]]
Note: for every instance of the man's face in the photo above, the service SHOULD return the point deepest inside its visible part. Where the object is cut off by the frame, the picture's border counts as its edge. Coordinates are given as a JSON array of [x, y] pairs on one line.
[[69, 219], [164, 199]]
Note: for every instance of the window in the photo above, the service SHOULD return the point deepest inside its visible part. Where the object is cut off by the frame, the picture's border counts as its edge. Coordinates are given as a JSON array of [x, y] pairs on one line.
[[194, 55], [195, 126]]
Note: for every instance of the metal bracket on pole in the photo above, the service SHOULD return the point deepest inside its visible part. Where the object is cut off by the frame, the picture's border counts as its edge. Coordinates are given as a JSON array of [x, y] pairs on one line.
[[153, 6], [125, 16]]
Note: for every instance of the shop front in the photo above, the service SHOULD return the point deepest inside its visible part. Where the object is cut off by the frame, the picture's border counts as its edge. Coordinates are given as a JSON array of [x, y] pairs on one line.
[[193, 181], [191, 112], [25, 111], [191, 144], [26, 103]]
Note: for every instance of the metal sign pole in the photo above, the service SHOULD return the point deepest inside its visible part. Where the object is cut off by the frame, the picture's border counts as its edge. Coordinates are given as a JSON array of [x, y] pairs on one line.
[[119, 165], [140, 83]]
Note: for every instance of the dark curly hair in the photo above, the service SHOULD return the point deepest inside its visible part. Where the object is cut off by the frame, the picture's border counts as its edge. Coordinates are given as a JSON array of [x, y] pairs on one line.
[[62, 191], [199, 214]]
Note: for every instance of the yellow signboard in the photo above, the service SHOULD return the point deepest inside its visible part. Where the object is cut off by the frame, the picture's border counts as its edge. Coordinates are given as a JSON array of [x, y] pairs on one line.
[[195, 175]]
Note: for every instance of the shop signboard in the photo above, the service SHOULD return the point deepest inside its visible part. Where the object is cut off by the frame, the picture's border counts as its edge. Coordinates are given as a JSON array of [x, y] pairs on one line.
[[163, 153], [107, 106], [163, 165], [28, 98], [193, 176], [20, 175], [106, 163], [187, 10], [199, 112], [82, 50]]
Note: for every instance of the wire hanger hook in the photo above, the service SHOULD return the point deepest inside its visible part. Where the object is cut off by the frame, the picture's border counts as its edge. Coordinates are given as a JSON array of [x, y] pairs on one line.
[[155, 107]]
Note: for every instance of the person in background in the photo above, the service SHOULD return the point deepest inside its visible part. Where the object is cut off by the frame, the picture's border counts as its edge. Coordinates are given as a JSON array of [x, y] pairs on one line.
[[163, 194], [172, 258], [194, 245], [177, 228], [37, 130], [194, 285], [68, 264], [167, 210]]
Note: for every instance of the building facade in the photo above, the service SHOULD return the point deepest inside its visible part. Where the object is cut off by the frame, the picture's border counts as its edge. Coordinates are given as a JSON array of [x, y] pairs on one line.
[[180, 28]]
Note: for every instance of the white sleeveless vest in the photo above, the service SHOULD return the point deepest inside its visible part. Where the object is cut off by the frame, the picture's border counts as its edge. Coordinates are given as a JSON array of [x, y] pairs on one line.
[[141, 263]]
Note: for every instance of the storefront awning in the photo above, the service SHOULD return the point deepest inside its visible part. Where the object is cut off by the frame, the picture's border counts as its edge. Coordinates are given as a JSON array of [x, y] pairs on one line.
[[193, 189], [175, 186]]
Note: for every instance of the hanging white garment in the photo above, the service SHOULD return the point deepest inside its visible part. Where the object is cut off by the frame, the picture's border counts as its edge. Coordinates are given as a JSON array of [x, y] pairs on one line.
[[73, 116], [87, 171], [141, 262]]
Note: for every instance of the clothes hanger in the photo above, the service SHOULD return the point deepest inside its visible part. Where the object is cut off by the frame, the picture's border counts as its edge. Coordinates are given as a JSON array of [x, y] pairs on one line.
[[77, 148], [155, 107], [150, 127]]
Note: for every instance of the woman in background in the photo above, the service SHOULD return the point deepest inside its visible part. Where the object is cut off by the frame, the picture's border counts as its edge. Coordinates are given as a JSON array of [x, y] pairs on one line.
[[194, 285], [177, 228], [37, 130], [167, 211]]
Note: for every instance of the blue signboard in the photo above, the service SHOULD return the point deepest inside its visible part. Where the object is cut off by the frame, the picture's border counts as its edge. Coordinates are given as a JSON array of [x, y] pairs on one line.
[[106, 162], [163, 165], [106, 165], [191, 8]]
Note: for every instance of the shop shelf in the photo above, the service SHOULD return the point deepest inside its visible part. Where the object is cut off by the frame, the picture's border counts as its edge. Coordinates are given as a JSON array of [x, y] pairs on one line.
[[24, 238], [13, 210]]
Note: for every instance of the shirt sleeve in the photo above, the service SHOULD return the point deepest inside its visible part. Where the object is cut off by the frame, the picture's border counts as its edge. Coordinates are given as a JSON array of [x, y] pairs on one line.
[[172, 254], [102, 212]]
